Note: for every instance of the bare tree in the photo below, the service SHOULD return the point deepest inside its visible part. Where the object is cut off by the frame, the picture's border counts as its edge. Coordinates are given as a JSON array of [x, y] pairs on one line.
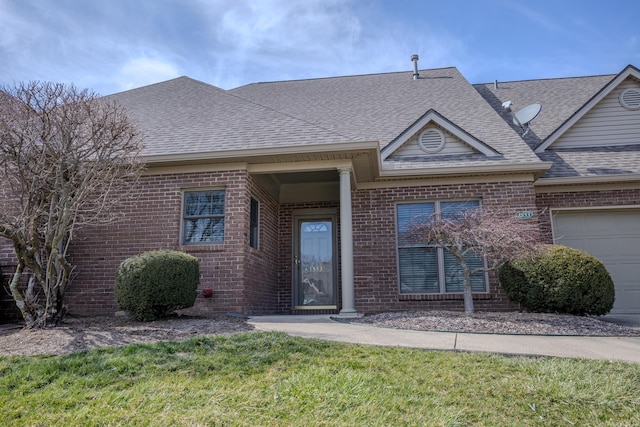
[[67, 157], [494, 234]]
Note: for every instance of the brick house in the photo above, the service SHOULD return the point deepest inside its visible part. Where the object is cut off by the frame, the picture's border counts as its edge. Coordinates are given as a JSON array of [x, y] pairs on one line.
[[291, 194]]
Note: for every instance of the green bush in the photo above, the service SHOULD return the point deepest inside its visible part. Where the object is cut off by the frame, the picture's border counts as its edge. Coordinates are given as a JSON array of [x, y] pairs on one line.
[[156, 283], [561, 280]]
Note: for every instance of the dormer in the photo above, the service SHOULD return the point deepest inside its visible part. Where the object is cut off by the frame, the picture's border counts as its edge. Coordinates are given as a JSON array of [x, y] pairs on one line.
[[433, 135]]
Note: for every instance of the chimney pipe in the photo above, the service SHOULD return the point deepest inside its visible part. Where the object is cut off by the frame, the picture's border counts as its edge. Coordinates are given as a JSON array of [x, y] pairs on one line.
[[495, 84], [416, 75]]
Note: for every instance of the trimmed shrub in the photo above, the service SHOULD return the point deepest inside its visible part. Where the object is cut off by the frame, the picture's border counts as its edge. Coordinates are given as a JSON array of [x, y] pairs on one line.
[[154, 284], [560, 280]]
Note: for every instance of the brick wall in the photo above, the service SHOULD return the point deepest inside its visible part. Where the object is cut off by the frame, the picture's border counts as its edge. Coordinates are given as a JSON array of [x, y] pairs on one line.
[[8, 310], [151, 220], [581, 199], [250, 281], [261, 285]]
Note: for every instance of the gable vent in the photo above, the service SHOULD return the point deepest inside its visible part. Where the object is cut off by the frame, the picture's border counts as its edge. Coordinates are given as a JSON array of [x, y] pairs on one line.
[[431, 140], [630, 99]]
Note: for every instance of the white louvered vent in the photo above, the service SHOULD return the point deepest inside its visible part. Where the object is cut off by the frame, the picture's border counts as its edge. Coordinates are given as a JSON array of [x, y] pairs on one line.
[[630, 99], [431, 140]]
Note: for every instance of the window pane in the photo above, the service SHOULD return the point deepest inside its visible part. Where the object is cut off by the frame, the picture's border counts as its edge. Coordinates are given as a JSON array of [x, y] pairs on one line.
[[209, 230], [454, 278], [418, 270], [408, 216], [449, 210], [204, 203], [195, 203], [217, 202]]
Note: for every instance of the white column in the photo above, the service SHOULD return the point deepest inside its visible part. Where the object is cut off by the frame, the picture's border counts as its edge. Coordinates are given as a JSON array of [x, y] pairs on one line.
[[346, 243]]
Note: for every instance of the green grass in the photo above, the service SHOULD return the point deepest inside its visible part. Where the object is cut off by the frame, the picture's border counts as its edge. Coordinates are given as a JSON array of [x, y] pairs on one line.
[[270, 379]]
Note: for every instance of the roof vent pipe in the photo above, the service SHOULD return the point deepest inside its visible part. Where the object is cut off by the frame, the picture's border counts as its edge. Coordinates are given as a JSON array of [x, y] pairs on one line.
[[495, 84], [416, 75]]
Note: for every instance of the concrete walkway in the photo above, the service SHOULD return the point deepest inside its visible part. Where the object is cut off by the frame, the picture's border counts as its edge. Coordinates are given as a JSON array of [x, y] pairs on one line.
[[322, 327]]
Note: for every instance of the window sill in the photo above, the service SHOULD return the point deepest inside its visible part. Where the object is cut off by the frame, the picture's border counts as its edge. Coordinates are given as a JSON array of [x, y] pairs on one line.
[[219, 247], [441, 297]]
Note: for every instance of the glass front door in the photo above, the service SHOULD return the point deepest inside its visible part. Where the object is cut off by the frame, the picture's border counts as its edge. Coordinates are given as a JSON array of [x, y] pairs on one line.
[[314, 265]]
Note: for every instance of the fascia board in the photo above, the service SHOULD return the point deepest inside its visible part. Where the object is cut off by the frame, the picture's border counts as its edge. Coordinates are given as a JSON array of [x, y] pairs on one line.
[[630, 70]]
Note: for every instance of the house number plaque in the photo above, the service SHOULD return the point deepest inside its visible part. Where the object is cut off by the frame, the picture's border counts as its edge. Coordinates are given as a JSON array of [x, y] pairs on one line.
[[524, 214]]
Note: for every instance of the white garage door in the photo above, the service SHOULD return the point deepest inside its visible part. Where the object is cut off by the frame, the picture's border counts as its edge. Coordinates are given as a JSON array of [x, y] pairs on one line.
[[612, 236]]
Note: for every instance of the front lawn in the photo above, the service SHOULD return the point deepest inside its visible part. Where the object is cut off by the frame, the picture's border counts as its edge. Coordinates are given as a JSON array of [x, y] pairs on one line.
[[270, 379]]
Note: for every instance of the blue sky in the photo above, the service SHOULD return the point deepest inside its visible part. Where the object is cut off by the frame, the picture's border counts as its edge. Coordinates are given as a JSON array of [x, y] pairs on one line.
[[114, 45]]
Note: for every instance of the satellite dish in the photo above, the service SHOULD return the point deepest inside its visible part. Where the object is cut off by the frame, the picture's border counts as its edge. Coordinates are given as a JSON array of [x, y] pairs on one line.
[[524, 116]]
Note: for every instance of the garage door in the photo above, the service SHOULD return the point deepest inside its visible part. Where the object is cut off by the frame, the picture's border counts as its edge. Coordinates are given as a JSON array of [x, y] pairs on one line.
[[612, 236]]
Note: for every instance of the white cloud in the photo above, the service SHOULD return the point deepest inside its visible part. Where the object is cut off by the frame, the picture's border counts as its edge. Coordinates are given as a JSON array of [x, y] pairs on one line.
[[117, 45], [143, 71], [279, 40], [13, 28], [279, 25]]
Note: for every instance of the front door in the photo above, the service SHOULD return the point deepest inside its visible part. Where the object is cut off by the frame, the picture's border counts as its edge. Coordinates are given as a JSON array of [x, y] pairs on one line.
[[314, 264]]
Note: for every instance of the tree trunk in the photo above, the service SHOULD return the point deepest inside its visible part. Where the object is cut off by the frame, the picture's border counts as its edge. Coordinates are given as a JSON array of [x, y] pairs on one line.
[[18, 298], [468, 295]]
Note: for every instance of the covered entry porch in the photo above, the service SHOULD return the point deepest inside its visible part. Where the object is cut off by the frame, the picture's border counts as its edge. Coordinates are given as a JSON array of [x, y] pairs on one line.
[[315, 231], [315, 234]]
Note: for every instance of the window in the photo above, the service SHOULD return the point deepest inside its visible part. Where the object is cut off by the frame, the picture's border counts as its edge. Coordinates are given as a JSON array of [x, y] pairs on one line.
[[426, 269], [254, 223], [203, 217]]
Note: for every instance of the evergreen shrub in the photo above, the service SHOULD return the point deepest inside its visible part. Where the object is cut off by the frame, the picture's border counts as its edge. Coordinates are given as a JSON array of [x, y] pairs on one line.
[[560, 280], [154, 284]]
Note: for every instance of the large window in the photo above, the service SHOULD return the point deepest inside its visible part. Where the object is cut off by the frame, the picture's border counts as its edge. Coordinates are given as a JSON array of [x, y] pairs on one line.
[[424, 268], [203, 217]]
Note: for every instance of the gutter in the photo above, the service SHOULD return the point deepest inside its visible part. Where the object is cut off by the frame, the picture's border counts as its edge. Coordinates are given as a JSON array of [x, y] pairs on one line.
[[538, 168], [548, 184], [238, 155]]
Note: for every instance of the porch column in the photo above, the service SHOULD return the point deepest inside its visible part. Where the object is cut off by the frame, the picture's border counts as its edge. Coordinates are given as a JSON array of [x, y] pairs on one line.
[[346, 243]]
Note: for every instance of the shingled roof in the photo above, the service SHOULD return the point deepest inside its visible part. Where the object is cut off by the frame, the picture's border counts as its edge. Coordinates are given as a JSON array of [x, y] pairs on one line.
[[561, 100], [188, 117], [381, 107]]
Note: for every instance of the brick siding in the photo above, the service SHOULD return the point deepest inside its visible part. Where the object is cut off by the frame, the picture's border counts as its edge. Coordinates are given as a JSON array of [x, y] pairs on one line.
[[152, 220], [255, 281]]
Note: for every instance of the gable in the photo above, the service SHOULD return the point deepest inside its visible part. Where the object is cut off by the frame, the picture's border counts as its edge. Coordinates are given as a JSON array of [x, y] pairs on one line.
[[432, 140], [613, 121], [603, 121], [434, 135]]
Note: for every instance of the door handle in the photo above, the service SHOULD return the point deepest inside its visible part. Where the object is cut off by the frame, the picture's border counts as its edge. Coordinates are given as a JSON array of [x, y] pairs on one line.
[[296, 261]]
